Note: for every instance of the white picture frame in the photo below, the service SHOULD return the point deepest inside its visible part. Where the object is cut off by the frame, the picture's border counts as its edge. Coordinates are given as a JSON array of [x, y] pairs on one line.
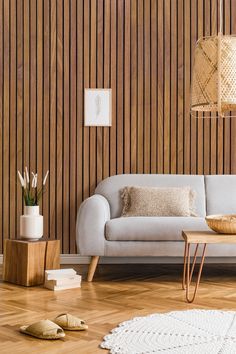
[[98, 107]]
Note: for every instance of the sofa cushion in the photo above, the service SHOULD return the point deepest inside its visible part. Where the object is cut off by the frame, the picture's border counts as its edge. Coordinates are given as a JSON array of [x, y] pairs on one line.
[[153, 201], [152, 228], [221, 194], [111, 186]]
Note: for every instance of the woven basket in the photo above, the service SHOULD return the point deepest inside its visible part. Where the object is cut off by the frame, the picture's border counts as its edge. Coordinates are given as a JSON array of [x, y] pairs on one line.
[[223, 224]]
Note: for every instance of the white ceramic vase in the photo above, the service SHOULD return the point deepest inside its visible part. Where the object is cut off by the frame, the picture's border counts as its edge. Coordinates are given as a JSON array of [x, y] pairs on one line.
[[31, 223]]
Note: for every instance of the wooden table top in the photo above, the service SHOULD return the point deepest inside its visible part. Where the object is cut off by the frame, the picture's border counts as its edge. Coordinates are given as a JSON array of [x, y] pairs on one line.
[[207, 237]]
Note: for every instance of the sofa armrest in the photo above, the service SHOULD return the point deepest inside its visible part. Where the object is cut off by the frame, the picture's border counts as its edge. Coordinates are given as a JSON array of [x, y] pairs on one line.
[[90, 226]]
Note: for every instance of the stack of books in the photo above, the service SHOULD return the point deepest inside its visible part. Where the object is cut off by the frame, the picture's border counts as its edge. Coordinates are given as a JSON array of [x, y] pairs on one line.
[[62, 279]]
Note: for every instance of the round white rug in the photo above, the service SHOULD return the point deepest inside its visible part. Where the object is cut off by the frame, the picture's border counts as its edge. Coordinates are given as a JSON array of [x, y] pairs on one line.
[[178, 332]]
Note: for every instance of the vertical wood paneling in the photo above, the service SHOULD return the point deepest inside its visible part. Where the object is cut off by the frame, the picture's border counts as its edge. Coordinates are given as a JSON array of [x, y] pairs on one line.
[[227, 122], [127, 77], [173, 82], [213, 139], [66, 129], [107, 80], [73, 124], [206, 125], [193, 133], [113, 142], [1, 123], [134, 74], [160, 70], [187, 68], [53, 117], [6, 116], [147, 91], [13, 66], [233, 121], [200, 122], [26, 82], [32, 85], [93, 83], [220, 128], [100, 39], [86, 75], [180, 143], [120, 86], [59, 130], [99, 83], [140, 105], [39, 85], [46, 105], [166, 73], [19, 105], [51, 50], [79, 97], [153, 95]]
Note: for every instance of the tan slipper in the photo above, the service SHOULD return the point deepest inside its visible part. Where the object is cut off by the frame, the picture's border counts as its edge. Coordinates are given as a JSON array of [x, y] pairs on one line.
[[70, 323], [44, 329]]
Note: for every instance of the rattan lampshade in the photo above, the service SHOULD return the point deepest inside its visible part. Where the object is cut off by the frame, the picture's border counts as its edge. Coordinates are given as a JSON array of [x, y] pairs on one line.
[[214, 75]]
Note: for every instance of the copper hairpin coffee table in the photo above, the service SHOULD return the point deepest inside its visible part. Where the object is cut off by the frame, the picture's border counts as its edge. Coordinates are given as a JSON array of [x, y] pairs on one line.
[[197, 238]]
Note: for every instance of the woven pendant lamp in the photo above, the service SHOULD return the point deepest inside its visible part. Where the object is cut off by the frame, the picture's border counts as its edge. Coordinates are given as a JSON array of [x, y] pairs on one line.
[[214, 75]]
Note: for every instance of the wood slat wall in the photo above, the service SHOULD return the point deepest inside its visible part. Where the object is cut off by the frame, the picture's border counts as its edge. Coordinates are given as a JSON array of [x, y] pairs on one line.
[[50, 50]]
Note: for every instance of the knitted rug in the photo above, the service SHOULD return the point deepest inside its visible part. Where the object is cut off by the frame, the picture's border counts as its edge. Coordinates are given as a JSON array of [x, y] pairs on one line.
[[178, 332]]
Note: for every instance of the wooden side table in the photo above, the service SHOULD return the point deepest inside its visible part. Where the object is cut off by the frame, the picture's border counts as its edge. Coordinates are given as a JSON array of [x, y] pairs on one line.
[[24, 262], [196, 238]]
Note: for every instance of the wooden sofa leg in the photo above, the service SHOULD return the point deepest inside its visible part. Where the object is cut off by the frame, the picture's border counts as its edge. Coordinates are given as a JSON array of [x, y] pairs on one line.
[[92, 267]]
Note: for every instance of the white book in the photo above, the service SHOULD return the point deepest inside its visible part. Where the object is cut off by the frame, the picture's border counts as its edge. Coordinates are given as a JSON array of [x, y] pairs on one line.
[[62, 287], [64, 281], [59, 273]]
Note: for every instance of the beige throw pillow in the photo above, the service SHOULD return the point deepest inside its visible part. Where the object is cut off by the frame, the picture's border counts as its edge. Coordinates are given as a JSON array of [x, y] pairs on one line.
[[153, 201]]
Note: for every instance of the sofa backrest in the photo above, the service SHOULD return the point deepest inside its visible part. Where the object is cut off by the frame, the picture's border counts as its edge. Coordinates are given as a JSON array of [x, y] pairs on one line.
[[220, 194], [111, 186]]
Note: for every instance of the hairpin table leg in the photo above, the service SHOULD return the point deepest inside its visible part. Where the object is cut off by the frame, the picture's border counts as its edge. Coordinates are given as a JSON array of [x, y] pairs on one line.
[[184, 272], [186, 251], [187, 261]]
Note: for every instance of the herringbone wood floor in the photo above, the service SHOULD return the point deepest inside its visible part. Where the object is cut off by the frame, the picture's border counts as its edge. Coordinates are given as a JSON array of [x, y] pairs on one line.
[[118, 293]]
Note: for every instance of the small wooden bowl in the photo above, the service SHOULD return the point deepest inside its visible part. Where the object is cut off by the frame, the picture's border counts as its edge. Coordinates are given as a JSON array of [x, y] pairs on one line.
[[223, 224]]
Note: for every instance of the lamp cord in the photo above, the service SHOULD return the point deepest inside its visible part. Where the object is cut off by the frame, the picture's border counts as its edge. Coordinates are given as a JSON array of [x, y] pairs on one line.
[[221, 16]]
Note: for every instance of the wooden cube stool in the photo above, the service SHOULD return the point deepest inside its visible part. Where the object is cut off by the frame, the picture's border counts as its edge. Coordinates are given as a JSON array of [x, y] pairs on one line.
[[24, 262]]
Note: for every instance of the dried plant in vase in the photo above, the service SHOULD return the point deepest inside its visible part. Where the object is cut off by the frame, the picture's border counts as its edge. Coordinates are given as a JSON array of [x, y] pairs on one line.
[[32, 194], [31, 223]]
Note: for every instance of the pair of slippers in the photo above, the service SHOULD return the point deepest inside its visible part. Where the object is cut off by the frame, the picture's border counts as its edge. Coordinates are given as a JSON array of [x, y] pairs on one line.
[[47, 329]]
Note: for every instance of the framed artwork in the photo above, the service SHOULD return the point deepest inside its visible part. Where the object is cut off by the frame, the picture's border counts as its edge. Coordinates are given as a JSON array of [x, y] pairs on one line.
[[97, 107]]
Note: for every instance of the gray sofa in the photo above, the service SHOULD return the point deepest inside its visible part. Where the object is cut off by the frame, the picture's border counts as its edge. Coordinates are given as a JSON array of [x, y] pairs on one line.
[[100, 231]]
